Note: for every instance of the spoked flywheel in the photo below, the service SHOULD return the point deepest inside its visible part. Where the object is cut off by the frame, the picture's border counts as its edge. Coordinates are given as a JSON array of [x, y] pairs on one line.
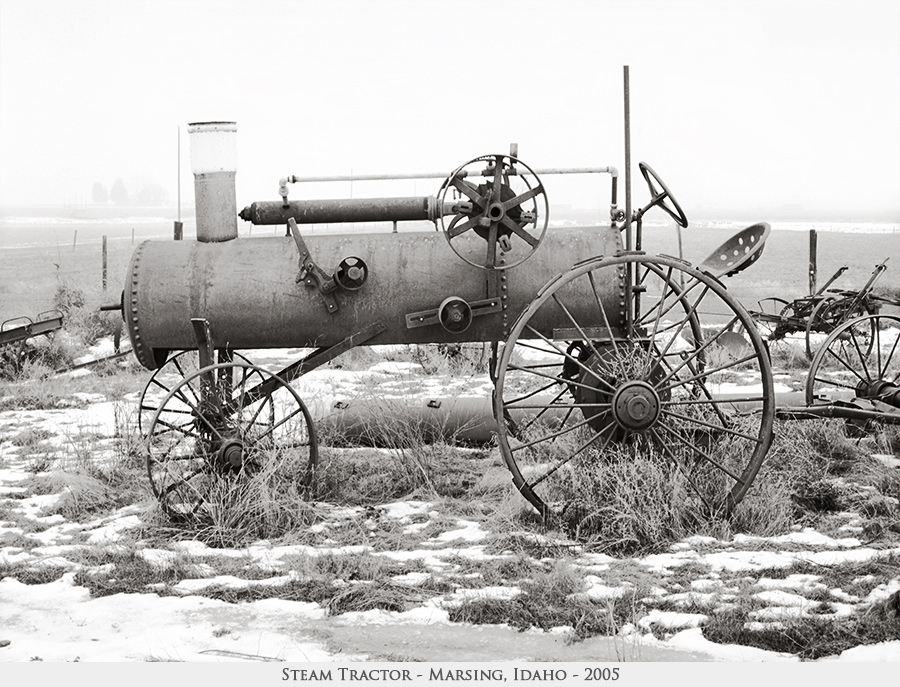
[[656, 385], [209, 434], [859, 360]]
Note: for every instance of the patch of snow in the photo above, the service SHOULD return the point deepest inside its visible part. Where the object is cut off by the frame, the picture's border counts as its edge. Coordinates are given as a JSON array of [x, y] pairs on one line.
[[671, 620], [461, 596], [693, 640], [796, 581], [778, 597], [887, 459], [467, 530], [807, 537]]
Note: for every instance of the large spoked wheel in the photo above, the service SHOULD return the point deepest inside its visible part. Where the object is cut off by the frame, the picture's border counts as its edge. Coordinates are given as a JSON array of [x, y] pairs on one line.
[[859, 359], [574, 397], [209, 435], [509, 211], [178, 367], [829, 314]]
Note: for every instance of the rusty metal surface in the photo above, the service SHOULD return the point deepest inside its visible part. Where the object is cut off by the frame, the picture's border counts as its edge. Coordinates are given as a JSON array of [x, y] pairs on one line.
[[248, 292], [216, 206], [341, 210]]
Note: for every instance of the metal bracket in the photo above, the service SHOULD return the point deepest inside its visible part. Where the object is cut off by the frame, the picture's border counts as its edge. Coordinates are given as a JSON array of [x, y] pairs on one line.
[[426, 318], [310, 273]]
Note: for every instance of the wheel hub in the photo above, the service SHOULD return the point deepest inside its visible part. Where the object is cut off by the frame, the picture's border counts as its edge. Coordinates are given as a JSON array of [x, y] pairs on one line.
[[635, 406], [231, 454]]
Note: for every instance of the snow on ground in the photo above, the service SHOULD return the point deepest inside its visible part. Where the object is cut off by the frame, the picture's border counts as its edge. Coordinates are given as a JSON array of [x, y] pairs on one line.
[[59, 620]]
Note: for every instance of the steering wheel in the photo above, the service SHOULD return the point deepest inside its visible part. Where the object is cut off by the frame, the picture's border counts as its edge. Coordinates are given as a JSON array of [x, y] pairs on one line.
[[662, 196], [504, 211]]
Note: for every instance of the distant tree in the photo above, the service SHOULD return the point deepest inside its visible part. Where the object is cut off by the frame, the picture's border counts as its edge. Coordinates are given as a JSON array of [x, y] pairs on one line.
[[151, 195], [99, 194], [118, 193]]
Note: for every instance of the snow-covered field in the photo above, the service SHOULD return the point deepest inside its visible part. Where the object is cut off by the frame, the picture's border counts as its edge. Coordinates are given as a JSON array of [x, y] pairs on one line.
[[47, 613]]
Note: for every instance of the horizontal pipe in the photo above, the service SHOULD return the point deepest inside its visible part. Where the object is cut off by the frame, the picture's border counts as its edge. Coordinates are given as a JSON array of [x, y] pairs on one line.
[[440, 175], [345, 210]]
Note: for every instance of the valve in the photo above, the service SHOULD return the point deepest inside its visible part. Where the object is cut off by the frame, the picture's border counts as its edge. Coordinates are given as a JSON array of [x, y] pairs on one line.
[[455, 315], [351, 273]]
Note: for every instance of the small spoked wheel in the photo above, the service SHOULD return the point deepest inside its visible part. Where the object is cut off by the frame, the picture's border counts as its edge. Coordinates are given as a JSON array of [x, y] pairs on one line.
[[580, 386], [507, 213], [208, 438], [859, 360], [829, 314]]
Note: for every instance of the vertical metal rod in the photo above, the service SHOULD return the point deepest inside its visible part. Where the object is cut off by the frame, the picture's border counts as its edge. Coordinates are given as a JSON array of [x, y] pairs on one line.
[[627, 161], [629, 304], [813, 266]]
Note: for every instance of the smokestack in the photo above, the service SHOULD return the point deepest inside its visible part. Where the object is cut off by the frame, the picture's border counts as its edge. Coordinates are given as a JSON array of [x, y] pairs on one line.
[[214, 164]]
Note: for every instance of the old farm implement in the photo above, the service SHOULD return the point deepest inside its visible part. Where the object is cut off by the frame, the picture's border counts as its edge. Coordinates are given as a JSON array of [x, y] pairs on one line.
[[598, 348], [15, 333], [819, 313]]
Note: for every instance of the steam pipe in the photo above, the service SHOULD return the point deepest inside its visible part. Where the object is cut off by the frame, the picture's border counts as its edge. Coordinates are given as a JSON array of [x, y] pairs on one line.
[[347, 210], [436, 175]]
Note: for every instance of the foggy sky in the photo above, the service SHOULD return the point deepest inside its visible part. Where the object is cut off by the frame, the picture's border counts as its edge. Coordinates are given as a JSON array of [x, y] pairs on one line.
[[743, 107]]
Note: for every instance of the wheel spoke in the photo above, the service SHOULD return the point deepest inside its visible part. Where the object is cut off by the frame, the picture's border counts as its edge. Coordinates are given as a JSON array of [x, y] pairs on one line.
[[572, 428], [469, 190], [718, 428], [522, 197], [462, 228], [576, 453], [507, 222], [681, 468], [568, 356], [702, 454], [559, 380], [603, 314]]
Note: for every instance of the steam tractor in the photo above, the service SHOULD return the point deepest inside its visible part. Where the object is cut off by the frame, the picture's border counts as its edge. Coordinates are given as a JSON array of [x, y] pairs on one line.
[[599, 349]]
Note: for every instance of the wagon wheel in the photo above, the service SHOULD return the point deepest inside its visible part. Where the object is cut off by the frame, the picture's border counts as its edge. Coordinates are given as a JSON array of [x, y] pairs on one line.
[[207, 438], [178, 367], [665, 390], [775, 322], [509, 211], [830, 313], [859, 359]]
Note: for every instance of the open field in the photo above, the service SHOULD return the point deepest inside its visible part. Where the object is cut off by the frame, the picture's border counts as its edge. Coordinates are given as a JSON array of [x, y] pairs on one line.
[[36, 256], [424, 550]]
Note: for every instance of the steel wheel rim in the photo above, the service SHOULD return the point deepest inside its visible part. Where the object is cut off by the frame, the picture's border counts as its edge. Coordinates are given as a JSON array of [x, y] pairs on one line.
[[677, 377], [183, 364], [191, 450], [861, 351]]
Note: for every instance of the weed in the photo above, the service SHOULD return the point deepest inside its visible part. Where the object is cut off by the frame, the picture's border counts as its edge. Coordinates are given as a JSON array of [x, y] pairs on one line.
[[381, 594], [809, 638]]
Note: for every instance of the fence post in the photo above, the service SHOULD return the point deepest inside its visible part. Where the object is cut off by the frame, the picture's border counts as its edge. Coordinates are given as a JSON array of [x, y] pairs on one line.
[[813, 268], [104, 262]]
